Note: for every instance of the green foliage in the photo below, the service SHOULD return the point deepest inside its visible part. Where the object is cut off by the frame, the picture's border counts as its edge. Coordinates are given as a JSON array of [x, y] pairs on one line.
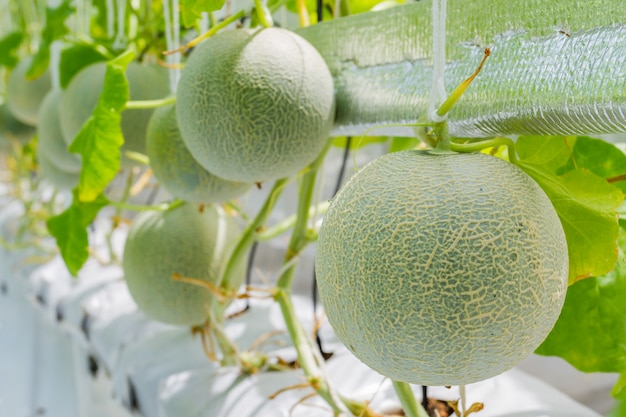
[[403, 144], [55, 29], [585, 202], [8, 49], [619, 390], [357, 142], [100, 138], [591, 331], [191, 10], [75, 58], [70, 230]]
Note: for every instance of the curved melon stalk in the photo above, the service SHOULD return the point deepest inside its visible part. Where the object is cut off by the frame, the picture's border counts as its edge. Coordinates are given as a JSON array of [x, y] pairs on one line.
[[556, 67]]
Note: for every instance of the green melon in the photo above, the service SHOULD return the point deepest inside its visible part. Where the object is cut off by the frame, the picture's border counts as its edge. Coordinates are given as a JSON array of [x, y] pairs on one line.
[[182, 240], [146, 82], [255, 105], [25, 96], [49, 171], [13, 129], [177, 171], [441, 269], [51, 140]]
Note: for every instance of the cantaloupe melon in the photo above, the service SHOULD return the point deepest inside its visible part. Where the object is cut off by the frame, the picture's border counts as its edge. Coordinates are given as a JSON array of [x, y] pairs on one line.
[[51, 140], [255, 105], [25, 96], [177, 171], [183, 240], [13, 129], [57, 177], [441, 269], [146, 82]]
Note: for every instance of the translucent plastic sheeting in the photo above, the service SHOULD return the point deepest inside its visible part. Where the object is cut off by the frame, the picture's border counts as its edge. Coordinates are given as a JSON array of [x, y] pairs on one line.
[[556, 67], [227, 393]]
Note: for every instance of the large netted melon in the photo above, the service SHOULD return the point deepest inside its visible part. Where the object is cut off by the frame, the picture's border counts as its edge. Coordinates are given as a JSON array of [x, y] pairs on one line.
[[184, 240], [177, 171], [255, 105], [13, 129], [25, 96], [146, 82], [441, 269], [51, 140]]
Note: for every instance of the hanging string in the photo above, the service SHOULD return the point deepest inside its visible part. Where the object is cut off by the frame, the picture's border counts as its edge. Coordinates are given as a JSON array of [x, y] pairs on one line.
[[55, 59], [438, 92], [110, 6], [172, 41], [120, 36]]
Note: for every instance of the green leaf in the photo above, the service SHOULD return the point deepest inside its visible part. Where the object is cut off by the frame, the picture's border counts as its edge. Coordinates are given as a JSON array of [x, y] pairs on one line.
[[591, 330], [403, 144], [75, 58], [100, 138], [602, 158], [619, 410], [191, 10], [549, 152], [8, 49], [586, 204], [619, 389], [70, 230], [357, 142], [55, 29]]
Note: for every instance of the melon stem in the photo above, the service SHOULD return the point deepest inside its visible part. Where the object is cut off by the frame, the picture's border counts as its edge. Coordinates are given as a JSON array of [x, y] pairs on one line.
[[489, 143], [409, 404]]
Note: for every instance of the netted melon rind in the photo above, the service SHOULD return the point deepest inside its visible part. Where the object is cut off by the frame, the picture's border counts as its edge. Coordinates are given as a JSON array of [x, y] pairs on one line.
[[177, 171], [12, 129], [25, 96], [51, 140], [184, 240], [441, 269], [256, 105]]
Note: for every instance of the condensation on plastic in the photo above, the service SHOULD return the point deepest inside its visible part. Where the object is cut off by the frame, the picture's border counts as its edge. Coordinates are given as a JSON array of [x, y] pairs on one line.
[[550, 71]]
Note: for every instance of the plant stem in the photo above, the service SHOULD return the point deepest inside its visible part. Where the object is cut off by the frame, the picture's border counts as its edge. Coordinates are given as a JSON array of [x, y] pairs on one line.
[[138, 207], [288, 223], [263, 14], [209, 32], [484, 144], [247, 238], [149, 104], [409, 404], [308, 359]]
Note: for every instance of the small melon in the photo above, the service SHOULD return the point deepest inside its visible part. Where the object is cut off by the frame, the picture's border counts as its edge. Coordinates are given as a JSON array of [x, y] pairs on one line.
[[146, 82], [177, 171], [441, 269], [25, 96], [13, 129], [255, 105], [183, 240], [58, 177], [51, 140]]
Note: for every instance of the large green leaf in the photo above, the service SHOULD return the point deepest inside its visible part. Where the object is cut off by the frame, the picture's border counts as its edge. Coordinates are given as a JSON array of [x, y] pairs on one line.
[[100, 138], [75, 58], [191, 10], [8, 49], [591, 331], [70, 230], [600, 157], [619, 390], [549, 152], [586, 204], [55, 29]]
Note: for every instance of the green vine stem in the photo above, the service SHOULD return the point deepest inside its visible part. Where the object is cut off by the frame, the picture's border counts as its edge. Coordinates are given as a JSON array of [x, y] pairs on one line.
[[308, 358], [149, 104], [289, 222], [247, 238], [409, 404], [484, 144], [263, 13], [121, 205]]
